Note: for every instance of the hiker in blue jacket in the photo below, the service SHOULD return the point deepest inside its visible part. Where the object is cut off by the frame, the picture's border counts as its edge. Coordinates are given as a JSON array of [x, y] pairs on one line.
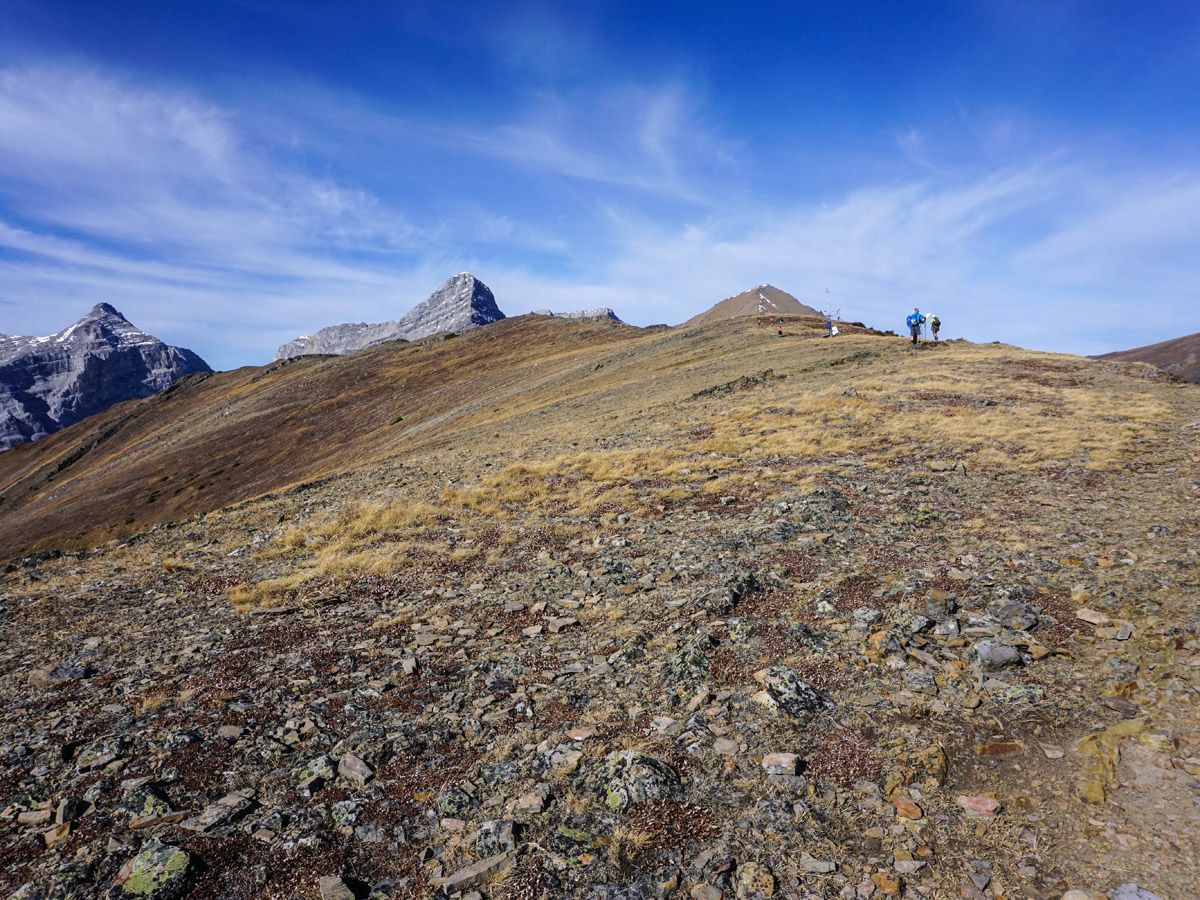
[[915, 321]]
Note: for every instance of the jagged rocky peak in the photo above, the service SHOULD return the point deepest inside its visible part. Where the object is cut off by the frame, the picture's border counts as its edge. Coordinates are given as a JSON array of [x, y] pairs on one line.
[[462, 303], [50, 382], [598, 312]]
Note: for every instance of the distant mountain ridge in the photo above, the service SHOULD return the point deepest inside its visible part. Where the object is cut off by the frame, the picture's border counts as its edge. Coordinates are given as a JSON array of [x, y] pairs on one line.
[[1180, 356], [48, 383], [765, 300], [598, 312], [461, 303]]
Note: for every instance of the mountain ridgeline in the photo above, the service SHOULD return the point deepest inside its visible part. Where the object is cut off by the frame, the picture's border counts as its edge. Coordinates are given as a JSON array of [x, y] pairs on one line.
[[598, 312], [1179, 356], [462, 303], [48, 383]]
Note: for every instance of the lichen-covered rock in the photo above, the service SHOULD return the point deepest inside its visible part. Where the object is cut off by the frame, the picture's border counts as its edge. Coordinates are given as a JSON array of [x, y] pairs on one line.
[[689, 666], [159, 871], [494, 837], [741, 631], [626, 778], [822, 506], [311, 775], [146, 802], [455, 802], [571, 842], [785, 692], [100, 753], [723, 600]]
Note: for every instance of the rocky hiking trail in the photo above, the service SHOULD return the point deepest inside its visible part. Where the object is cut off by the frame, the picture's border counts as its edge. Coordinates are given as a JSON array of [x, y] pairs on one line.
[[751, 645]]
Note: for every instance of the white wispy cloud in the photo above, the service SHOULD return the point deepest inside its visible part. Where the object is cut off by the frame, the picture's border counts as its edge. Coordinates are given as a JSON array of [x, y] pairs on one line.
[[991, 255], [232, 229]]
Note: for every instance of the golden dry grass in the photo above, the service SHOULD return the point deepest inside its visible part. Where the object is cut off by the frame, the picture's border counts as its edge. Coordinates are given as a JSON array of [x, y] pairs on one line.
[[937, 406], [869, 399], [530, 390]]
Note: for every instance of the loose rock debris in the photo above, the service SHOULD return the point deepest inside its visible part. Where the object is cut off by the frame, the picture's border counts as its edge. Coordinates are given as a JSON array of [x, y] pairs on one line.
[[838, 690]]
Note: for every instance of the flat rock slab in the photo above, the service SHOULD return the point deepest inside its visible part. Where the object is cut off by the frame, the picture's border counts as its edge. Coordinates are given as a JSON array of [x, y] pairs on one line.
[[475, 874], [227, 809]]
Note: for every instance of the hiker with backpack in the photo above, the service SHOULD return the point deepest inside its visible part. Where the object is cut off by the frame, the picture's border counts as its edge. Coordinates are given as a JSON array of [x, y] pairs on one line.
[[915, 321], [935, 325]]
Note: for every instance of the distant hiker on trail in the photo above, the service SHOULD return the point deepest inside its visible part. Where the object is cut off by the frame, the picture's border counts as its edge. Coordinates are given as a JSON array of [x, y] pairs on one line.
[[935, 325], [915, 321]]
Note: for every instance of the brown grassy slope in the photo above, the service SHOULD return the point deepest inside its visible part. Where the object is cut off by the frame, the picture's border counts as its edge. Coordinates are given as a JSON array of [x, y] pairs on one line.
[[747, 304], [219, 440], [1179, 356], [533, 387], [238, 434]]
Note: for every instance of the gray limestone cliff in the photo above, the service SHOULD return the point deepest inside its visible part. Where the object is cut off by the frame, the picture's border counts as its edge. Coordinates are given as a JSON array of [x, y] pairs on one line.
[[48, 383], [599, 312], [463, 302]]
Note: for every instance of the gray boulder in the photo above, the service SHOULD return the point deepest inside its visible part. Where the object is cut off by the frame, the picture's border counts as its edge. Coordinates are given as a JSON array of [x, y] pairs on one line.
[[784, 691], [1018, 616], [994, 656]]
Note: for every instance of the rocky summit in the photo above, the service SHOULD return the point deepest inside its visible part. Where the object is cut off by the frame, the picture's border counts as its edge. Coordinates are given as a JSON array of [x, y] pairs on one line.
[[462, 303], [598, 312], [48, 383], [570, 609], [765, 301]]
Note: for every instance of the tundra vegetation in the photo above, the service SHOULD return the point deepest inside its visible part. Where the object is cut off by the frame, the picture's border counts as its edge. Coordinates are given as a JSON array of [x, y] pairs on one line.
[[569, 609]]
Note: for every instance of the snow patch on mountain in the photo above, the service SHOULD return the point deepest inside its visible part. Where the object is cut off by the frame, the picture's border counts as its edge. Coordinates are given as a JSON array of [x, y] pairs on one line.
[[52, 381]]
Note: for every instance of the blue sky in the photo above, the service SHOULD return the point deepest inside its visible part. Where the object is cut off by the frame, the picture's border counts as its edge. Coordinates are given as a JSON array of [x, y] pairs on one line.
[[233, 174]]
